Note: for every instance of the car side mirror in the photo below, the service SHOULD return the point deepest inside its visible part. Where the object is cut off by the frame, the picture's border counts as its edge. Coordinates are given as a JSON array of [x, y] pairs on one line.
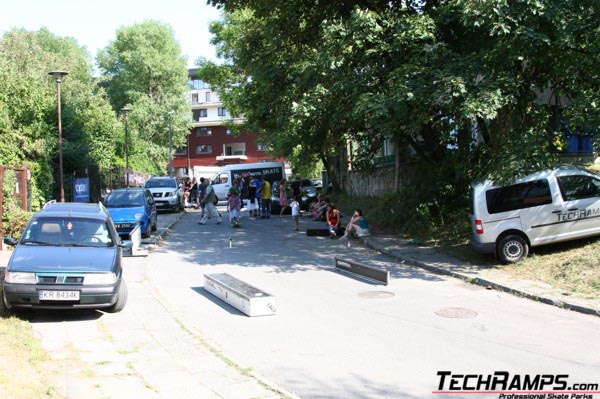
[[180, 185], [126, 244], [10, 241]]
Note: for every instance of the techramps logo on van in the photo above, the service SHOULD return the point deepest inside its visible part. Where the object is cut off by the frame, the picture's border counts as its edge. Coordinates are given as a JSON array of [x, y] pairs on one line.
[[576, 214]]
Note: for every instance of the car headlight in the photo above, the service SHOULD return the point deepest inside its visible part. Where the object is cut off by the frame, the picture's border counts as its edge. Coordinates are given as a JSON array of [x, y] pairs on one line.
[[20, 278], [311, 194], [138, 215], [99, 278]]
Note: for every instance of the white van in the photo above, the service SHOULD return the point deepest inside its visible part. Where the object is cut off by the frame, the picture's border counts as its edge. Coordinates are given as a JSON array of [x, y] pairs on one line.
[[221, 182], [543, 208]]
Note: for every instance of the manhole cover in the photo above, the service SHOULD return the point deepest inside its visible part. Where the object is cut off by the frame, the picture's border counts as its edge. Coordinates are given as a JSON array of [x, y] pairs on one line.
[[376, 294], [456, 313]]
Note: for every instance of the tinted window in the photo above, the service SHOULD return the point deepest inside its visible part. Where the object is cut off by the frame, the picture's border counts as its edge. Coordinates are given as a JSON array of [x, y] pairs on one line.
[[578, 187], [153, 183], [518, 196]]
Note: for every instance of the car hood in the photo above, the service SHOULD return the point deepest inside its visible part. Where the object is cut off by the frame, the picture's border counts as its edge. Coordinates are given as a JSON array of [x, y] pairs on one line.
[[73, 259], [124, 214]]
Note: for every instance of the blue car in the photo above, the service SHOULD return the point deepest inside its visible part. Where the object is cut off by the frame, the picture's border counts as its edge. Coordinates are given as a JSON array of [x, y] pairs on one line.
[[129, 207], [68, 257]]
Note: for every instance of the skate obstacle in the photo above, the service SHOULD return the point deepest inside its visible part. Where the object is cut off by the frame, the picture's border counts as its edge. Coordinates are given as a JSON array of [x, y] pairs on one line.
[[361, 270], [244, 297]]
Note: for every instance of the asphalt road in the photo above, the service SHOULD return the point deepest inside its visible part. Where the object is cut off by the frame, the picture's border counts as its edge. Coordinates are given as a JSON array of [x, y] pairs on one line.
[[339, 337]]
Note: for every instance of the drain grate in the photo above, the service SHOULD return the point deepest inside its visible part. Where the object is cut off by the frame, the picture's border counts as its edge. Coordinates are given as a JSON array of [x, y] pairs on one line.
[[376, 294], [456, 313]]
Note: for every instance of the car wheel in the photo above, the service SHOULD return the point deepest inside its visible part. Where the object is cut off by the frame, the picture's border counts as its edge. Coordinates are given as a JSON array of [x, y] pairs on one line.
[[147, 233], [121, 299], [512, 248], [155, 224]]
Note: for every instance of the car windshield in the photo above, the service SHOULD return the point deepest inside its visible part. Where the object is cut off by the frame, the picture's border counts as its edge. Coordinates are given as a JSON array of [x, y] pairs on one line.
[[125, 199], [67, 232], [153, 183]]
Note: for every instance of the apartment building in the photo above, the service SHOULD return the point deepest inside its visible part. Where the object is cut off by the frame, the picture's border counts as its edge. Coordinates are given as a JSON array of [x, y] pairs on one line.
[[210, 144]]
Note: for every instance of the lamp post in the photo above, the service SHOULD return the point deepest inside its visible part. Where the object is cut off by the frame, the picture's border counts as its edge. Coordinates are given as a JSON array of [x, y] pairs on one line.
[[126, 111], [170, 113], [58, 75]]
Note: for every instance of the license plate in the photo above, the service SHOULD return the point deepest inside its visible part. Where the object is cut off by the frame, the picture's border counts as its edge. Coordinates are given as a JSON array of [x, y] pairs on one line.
[[59, 295], [123, 225]]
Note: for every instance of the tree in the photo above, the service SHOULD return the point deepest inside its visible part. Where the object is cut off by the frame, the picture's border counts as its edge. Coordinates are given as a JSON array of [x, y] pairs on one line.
[[458, 86], [144, 69], [28, 110]]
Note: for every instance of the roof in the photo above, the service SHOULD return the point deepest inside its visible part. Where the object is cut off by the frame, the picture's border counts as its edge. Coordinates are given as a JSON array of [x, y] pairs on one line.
[[74, 209]]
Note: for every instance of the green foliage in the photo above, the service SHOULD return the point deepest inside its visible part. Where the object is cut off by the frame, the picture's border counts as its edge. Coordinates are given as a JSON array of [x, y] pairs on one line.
[[14, 218], [143, 68]]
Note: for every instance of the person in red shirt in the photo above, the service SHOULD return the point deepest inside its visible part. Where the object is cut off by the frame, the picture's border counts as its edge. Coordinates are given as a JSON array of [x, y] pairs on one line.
[[334, 222]]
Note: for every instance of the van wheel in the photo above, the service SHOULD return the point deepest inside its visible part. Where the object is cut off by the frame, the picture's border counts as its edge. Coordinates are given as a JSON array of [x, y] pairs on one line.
[[512, 248]]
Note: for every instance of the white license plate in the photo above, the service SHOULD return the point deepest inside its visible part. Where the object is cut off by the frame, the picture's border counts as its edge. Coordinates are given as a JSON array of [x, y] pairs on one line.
[[59, 295]]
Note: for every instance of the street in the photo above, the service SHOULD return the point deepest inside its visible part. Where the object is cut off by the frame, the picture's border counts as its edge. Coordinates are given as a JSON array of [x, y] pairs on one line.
[[333, 336], [339, 337]]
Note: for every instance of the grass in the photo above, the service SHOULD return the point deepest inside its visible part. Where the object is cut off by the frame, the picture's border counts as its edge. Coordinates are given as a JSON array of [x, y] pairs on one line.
[[25, 369]]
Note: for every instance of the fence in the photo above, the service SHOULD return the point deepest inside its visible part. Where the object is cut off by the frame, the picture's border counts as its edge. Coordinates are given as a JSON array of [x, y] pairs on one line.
[[378, 183]]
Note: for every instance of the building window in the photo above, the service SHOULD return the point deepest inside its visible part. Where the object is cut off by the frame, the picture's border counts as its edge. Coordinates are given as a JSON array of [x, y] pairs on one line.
[[204, 149], [262, 147], [194, 98], [222, 111], [229, 132], [199, 113], [181, 151], [203, 132], [208, 96], [198, 84]]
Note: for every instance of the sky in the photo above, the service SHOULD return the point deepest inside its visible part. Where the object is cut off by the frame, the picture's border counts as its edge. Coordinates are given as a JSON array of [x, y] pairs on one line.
[[94, 23]]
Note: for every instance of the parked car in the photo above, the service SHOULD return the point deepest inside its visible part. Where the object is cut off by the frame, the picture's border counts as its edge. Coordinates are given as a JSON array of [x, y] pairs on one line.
[[543, 208], [69, 257], [129, 207], [167, 193], [309, 194]]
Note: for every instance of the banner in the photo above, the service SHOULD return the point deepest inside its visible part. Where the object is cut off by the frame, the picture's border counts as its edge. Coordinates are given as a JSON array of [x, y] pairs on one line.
[[81, 189]]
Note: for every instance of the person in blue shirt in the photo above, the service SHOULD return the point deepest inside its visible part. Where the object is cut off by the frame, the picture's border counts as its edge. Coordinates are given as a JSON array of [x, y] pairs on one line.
[[358, 225]]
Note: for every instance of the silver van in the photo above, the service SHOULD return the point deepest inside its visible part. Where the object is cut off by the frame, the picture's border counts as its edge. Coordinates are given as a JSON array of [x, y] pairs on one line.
[[543, 208]]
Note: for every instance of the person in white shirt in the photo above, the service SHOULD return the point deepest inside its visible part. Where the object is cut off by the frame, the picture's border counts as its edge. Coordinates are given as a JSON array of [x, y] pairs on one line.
[[295, 213]]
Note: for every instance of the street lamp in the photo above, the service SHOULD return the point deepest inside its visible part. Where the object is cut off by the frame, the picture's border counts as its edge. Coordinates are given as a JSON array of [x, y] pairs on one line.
[[125, 111], [58, 75], [170, 113]]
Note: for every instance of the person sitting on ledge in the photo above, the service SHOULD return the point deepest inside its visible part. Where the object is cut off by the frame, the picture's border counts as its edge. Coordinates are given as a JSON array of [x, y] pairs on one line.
[[358, 225]]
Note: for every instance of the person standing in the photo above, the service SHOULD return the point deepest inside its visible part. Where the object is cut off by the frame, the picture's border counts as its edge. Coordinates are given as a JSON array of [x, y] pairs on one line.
[[295, 213], [283, 199], [265, 199], [252, 202], [258, 185], [234, 204], [194, 193], [210, 199], [201, 194]]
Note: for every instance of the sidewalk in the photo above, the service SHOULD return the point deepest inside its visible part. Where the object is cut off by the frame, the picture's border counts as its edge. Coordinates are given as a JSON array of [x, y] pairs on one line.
[[436, 260]]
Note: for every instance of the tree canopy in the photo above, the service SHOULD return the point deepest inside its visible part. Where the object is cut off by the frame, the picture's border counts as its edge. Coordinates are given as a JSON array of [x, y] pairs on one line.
[[143, 68], [28, 110], [477, 88]]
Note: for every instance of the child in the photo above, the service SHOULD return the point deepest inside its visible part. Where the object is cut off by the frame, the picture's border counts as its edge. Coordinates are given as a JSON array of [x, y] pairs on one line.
[[295, 213], [233, 206]]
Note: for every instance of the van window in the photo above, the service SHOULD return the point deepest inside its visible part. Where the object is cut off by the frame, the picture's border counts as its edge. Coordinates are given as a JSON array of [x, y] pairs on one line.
[[578, 187], [222, 178], [518, 196]]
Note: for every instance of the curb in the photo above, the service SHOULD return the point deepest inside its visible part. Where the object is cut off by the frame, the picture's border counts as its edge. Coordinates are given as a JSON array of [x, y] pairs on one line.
[[482, 282]]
